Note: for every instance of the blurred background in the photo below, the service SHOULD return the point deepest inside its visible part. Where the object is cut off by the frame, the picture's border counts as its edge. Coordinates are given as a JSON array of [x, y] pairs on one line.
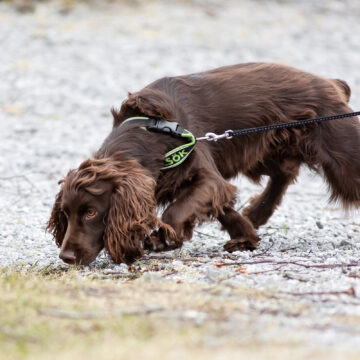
[[65, 63]]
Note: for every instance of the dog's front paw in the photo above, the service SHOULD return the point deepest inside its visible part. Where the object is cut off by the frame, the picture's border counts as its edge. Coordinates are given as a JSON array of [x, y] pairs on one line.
[[153, 243], [242, 244], [158, 241]]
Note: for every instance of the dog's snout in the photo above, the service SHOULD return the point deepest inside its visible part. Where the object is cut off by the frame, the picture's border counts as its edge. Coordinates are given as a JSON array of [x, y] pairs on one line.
[[68, 256]]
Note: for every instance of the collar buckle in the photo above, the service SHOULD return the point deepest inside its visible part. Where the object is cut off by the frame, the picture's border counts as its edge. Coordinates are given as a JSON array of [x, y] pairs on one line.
[[167, 127]]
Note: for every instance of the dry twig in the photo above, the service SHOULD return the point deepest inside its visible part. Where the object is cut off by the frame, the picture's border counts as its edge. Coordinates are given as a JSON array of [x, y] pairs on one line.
[[273, 262], [350, 292]]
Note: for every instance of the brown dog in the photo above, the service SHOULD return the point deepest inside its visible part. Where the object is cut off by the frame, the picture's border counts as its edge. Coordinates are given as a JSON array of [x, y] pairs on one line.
[[111, 199]]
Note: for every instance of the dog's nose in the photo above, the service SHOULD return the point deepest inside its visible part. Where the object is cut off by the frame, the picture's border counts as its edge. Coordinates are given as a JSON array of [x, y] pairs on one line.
[[68, 256]]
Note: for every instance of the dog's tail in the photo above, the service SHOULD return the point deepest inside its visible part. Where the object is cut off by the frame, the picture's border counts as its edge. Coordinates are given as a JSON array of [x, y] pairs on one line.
[[338, 152], [343, 87]]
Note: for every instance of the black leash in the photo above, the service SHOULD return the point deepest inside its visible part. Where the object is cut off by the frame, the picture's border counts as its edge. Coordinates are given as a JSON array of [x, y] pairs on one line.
[[178, 155], [228, 134]]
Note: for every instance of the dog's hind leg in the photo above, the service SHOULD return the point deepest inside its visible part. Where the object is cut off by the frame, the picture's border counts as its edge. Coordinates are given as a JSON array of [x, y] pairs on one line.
[[281, 176], [339, 156], [242, 233]]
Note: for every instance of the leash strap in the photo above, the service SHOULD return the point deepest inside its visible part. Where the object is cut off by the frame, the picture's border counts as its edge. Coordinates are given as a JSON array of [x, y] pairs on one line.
[[176, 156], [228, 134]]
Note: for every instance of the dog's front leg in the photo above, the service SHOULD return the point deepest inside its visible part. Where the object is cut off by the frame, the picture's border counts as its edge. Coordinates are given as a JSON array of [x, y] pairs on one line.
[[242, 232], [197, 202]]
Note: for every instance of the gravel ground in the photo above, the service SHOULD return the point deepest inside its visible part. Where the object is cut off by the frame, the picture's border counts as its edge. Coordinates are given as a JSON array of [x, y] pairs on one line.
[[61, 71]]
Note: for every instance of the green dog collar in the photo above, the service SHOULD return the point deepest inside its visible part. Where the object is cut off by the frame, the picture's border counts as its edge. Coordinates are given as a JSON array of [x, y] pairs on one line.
[[176, 156]]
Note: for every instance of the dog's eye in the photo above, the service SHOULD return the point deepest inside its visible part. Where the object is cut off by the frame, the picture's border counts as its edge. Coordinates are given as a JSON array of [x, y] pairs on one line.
[[90, 213]]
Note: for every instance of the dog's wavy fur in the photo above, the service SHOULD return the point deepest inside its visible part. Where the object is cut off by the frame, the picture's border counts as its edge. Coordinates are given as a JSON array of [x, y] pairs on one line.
[[132, 212], [233, 97]]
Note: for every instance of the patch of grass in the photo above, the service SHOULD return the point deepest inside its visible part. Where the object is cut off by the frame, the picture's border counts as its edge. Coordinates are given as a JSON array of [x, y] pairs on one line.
[[52, 314], [57, 314]]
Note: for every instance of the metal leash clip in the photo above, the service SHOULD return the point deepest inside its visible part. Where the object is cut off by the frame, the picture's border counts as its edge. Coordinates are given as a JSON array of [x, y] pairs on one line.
[[228, 134]]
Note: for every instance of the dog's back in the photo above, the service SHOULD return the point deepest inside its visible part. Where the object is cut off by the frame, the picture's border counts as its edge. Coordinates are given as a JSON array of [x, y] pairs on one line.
[[251, 95]]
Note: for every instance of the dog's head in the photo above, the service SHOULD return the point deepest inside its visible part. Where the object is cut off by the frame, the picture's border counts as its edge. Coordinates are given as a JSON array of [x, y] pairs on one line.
[[104, 203]]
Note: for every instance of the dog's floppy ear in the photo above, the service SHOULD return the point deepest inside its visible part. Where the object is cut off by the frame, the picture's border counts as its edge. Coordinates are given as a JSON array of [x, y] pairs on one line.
[[132, 216], [57, 223]]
